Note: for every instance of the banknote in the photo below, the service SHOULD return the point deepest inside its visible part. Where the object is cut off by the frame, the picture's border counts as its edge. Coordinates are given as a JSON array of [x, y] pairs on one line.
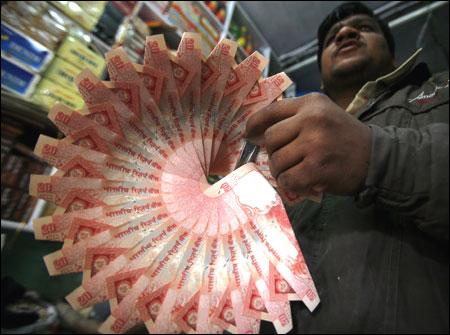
[[215, 72], [123, 72], [56, 227], [96, 134], [240, 81], [81, 160], [186, 68], [76, 193], [152, 210], [261, 94], [149, 290], [127, 267]]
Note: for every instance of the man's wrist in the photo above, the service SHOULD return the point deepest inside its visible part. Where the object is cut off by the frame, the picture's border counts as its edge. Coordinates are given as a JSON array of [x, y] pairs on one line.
[[375, 169]]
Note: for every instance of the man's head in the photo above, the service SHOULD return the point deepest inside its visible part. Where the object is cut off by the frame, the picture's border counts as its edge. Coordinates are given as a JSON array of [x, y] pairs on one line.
[[354, 46]]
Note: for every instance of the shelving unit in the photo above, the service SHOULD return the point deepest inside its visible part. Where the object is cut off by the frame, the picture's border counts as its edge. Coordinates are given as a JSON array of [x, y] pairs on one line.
[[101, 46], [34, 115], [148, 11], [151, 10], [19, 226], [25, 110]]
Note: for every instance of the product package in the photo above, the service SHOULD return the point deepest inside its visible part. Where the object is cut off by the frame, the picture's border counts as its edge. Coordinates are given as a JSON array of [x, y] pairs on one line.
[[17, 79], [78, 54], [25, 50], [48, 93], [63, 72]]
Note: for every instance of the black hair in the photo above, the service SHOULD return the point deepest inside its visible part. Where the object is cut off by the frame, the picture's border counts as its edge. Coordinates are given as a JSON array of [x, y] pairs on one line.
[[343, 11]]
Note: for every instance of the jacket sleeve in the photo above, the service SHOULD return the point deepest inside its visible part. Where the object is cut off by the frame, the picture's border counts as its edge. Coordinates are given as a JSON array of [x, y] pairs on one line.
[[409, 174]]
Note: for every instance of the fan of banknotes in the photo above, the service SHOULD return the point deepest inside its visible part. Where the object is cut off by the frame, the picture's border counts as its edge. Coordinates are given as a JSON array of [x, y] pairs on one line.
[[136, 212]]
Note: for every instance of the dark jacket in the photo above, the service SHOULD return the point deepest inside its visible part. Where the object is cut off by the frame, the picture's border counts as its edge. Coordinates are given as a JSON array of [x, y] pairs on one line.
[[380, 260]]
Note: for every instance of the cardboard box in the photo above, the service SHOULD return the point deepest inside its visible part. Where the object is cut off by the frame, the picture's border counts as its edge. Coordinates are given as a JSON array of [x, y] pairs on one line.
[[48, 93], [76, 13], [24, 49], [63, 72], [76, 53], [18, 79]]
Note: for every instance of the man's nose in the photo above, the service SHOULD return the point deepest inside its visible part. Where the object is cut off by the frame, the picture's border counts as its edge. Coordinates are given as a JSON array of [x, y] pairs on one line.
[[345, 33]]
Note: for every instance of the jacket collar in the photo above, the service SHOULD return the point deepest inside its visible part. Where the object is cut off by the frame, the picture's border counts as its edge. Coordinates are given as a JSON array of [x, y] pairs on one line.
[[373, 89]]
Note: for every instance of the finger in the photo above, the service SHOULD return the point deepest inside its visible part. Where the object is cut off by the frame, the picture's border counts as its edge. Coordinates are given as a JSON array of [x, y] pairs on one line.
[[286, 157], [300, 178], [281, 133], [275, 112]]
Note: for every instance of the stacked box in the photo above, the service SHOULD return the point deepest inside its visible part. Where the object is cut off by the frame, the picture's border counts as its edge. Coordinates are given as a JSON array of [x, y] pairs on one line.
[[23, 49], [49, 93], [63, 72], [17, 79], [78, 54], [86, 14]]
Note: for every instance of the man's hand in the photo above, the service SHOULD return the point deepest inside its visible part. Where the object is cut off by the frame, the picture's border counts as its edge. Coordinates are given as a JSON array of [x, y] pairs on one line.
[[313, 144]]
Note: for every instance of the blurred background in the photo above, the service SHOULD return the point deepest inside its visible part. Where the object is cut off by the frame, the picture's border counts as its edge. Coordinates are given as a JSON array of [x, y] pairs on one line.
[[46, 43]]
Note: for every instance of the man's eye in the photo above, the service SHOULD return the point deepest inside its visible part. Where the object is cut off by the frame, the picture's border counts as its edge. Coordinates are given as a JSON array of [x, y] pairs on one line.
[[365, 27], [329, 40]]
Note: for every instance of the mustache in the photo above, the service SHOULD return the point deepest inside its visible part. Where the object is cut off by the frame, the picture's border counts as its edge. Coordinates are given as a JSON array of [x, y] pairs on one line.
[[347, 43]]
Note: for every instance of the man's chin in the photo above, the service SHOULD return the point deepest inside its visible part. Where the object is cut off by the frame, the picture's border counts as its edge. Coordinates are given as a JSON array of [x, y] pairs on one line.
[[350, 66]]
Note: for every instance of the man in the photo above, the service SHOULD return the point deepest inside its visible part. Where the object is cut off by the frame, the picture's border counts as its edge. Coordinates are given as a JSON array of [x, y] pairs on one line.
[[376, 145]]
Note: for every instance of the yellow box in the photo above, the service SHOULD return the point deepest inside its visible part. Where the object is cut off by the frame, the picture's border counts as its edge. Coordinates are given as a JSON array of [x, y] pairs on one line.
[[79, 55], [63, 73], [93, 8], [77, 13], [48, 93]]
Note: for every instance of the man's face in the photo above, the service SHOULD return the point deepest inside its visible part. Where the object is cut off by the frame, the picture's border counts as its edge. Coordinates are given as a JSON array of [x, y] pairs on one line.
[[353, 47]]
